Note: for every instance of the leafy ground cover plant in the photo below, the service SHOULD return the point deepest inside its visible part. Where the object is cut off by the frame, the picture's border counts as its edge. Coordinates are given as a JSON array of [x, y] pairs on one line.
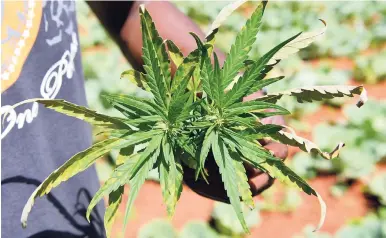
[[198, 115]]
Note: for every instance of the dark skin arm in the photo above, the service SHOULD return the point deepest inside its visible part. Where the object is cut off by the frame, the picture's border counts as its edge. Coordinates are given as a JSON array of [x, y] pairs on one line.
[[122, 21]]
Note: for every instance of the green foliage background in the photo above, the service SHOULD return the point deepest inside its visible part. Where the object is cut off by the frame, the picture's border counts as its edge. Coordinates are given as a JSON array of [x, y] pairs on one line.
[[356, 34]]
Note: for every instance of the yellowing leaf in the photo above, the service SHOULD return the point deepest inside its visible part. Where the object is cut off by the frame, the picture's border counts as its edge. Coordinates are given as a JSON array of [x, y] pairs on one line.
[[223, 15], [77, 111], [119, 178], [115, 199], [323, 212], [305, 145], [317, 93], [243, 185], [300, 42], [136, 78], [76, 164], [174, 53]]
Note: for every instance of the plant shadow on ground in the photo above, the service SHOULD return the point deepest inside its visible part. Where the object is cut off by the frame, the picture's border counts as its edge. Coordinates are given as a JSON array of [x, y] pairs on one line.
[[92, 229]]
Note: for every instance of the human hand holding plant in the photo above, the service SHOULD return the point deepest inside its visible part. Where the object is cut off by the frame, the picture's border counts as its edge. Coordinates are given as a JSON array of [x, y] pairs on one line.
[[257, 179]]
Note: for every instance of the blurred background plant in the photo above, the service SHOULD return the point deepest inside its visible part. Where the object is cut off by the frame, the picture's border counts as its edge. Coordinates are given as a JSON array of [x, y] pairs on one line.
[[353, 51]]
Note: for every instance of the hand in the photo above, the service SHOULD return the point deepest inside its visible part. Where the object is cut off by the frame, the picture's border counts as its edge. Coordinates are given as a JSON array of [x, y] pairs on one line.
[[258, 180]]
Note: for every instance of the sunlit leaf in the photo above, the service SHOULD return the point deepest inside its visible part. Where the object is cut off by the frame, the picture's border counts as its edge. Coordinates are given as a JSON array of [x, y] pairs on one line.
[[302, 41], [175, 54], [140, 171], [240, 89], [306, 145], [73, 166], [155, 58], [317, 93], [115, 199], [243, 44], [136, 78], [228, 174]]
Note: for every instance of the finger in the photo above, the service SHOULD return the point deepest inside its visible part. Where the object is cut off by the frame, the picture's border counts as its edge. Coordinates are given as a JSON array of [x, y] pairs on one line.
[[251, 171], [277, 120], [279, 150], [260, 183], [253, 96]]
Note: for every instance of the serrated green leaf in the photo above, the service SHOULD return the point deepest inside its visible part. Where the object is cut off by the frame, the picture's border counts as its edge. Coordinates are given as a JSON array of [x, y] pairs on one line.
[[124, 154], [160, 48], [178, 106], [274, 166], [170, 177], [261, 76], [253, 106], [153, 145], [133, 106], [179, 98], [317, 93], [277, 169], [187, 109], [222, 16], [73, 166], [136, 78], [228, 175], [206, 73], [190, 61], [119, 177], [260, 131], [77, 111], [305, 145], [143, 120], [156, 63], [141, 106], [243, 121], [242, 181], [205, 148], [194, 84], [302, 41], [243, 44], [186, 145], [243, 85], [259, 85], [115, 199], [216, 82], [140, 171], [174, 52]]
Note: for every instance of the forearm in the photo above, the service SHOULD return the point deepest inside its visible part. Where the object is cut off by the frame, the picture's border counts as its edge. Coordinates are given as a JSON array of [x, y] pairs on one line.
[[121, 19], [113, 15]]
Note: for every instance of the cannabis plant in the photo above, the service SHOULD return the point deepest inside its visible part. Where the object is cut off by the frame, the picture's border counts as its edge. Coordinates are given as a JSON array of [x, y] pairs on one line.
[[196, 115]]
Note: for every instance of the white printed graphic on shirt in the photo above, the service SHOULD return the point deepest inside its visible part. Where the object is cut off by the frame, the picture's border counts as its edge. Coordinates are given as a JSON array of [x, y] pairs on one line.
[[64, 68], [53, 21]]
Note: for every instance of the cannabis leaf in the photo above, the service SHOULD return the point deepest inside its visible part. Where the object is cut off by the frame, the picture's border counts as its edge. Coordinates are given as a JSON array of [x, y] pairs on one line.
[[227, 171], [317, 93], [243, 44], [76, 164], [77, 111], [136, 78], [305, 145], [115, 199], [302, 41]]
